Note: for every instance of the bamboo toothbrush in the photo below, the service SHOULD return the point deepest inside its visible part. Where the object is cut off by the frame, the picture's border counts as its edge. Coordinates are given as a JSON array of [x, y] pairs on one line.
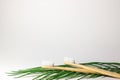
[[50, 65], [71, 62]]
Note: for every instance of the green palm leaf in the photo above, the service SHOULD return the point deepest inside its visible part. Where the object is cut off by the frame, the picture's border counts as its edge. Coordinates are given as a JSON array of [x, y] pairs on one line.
[[40, 73]]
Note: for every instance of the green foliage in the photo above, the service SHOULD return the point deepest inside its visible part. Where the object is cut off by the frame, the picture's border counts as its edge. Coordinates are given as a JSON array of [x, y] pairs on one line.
[[46, 74]]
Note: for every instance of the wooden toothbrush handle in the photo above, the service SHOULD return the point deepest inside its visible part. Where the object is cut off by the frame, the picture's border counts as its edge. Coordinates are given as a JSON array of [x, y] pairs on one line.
[[68, 69], [101, 71]]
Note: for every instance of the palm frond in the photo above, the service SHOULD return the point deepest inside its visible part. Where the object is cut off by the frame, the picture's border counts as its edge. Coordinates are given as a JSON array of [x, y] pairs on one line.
[[40, 73]]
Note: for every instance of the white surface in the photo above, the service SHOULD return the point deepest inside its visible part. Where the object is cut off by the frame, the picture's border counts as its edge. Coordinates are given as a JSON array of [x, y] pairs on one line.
[[35, 30]]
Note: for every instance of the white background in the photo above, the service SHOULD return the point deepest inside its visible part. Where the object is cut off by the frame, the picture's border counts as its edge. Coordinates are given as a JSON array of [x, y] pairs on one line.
[[35, 30]]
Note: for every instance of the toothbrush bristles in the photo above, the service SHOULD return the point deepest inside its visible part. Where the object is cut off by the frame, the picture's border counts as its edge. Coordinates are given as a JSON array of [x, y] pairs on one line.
[[69, 59], [47, 63]]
